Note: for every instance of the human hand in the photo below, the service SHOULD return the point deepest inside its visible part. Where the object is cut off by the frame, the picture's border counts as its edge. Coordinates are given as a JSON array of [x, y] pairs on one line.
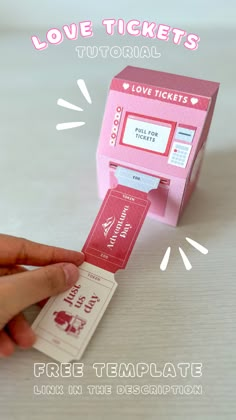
[[20, 288]]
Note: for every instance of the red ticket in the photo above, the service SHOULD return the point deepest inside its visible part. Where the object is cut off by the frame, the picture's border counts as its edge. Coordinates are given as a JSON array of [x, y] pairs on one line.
[[115, 230]]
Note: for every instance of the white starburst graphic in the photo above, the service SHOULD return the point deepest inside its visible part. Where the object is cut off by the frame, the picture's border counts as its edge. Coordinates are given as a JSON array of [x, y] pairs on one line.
[[187, 264], [65, 104], [165, 259]]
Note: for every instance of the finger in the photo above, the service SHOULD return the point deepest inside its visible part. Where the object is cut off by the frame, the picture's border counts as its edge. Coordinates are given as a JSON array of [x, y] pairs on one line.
[[22, 251], [24, 289], [6, 344], [5, 271], [20, 331]]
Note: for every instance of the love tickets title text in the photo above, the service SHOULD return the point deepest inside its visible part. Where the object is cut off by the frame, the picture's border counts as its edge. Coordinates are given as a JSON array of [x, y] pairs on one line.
[[148, 30]]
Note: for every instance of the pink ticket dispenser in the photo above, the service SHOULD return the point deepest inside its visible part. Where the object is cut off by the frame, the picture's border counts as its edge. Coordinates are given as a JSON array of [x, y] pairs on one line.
[[156, 123]]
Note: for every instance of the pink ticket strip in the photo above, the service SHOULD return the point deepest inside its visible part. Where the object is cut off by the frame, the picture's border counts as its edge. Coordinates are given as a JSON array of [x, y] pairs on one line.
[[67, 322]]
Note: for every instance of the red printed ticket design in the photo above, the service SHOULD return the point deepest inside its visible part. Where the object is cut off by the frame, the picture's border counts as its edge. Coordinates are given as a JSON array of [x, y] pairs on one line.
[[67, 322], [117, 225]]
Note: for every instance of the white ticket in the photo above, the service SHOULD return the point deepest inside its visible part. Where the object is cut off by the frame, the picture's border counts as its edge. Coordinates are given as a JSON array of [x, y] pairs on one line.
[[67, 322]]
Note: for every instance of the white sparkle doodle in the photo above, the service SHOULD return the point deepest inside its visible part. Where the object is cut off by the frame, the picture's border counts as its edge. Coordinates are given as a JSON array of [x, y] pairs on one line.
[[84, 90], [198, 246], [185, 259], [66, 126], [187, 264], [65, 104], [165, 259]]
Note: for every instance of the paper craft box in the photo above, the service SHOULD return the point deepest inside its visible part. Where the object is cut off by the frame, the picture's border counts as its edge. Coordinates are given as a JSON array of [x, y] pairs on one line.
[[156, 123]]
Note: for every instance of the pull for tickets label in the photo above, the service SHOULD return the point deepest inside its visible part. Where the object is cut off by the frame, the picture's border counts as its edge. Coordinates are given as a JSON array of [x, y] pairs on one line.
[[67, 322]]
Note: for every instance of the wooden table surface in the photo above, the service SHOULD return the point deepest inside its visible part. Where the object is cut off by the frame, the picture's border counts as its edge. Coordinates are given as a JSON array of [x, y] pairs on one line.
[[49, 194]]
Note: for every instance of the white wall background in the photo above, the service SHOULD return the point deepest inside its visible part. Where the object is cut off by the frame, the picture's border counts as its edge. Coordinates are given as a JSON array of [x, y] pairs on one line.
[[25, 14]]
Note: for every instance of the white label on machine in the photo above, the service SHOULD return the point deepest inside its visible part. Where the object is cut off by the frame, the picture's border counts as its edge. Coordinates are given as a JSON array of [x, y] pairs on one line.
[[146, 135], [185, 134]]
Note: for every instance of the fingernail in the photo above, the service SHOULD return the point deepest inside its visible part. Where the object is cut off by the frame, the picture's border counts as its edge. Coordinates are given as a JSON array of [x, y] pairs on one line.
[[71, 274]]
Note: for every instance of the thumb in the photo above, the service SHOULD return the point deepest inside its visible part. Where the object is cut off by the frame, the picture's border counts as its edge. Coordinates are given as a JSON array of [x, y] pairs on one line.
[[18, 291]]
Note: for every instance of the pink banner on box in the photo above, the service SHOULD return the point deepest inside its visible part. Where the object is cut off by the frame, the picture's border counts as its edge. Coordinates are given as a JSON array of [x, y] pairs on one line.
[[160, 94]]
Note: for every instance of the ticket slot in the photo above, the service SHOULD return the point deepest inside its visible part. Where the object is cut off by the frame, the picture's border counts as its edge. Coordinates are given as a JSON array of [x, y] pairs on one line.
[[163, 181], [158, 196]]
